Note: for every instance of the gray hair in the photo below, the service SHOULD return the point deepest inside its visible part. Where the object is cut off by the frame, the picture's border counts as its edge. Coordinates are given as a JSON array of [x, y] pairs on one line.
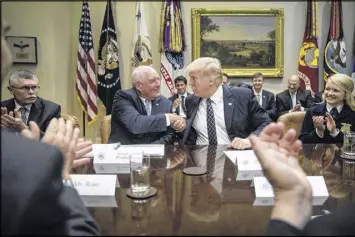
[[22, 74], [140, 72], [207, 64]]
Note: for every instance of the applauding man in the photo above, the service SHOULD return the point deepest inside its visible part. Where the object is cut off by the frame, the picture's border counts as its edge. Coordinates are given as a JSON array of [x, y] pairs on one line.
[[179, 100]]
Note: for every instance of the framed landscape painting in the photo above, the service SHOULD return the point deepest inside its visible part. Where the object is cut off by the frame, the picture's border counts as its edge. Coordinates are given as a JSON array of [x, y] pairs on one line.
[[246, 41]]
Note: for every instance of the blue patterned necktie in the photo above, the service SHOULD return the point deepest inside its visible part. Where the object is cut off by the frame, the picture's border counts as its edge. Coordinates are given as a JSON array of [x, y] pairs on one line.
[[23, 111], [334, 113], [147, 106], [211, 125], [212, 140]]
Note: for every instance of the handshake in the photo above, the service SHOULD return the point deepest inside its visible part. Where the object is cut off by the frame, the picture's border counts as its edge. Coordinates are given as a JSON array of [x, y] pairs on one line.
[[177, 122]]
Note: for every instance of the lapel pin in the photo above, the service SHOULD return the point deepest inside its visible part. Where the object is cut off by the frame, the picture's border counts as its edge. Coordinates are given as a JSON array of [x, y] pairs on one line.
[[229, 103], [157, 104]]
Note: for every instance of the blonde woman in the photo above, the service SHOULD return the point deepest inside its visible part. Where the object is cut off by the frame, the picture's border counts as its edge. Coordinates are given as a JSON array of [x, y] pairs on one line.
[[322, 123]]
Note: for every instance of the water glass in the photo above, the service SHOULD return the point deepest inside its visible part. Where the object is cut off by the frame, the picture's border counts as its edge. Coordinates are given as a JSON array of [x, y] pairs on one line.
[[140, 174], [349, 144]]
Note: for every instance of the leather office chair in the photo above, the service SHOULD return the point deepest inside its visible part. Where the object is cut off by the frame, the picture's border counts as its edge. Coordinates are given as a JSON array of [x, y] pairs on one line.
[[293, 120], [105, 128]]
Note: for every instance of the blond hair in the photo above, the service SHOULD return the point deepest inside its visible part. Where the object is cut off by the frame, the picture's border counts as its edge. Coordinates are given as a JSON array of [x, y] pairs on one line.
[[71, 118], [207, 65], [345, 83]]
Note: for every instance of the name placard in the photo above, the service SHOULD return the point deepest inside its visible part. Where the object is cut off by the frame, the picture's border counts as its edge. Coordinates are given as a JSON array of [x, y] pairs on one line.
[[95, 185], [264, 193], [110, 151]]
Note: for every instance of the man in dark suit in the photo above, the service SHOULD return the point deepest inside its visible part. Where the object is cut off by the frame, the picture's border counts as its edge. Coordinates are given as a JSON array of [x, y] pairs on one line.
[[179, 99], [25, 105], [141, 115], [294, 98], [34, 200], [217, 114], [265, 98]]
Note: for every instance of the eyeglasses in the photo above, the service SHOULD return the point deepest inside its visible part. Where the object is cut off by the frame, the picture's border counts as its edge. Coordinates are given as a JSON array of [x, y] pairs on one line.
[[27, 88]]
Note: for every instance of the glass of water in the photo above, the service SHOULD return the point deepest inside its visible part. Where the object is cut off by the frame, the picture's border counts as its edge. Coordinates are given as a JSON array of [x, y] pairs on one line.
[[349, 144], [140, 173]]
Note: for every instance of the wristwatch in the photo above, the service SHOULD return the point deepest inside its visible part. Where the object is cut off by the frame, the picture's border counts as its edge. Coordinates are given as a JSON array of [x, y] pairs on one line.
[[68, 182]]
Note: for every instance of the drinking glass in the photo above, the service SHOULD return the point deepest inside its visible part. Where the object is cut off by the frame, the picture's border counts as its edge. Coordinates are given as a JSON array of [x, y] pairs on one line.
[[349, 144], [140, 173]]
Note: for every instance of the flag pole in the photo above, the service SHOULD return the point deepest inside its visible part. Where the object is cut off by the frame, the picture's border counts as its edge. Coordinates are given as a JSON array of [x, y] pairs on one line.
[[84, 124]]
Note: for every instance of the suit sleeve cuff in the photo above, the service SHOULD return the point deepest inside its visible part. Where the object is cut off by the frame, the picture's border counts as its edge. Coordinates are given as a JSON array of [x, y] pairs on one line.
[[336, 132], [167, 120], [321, 135]]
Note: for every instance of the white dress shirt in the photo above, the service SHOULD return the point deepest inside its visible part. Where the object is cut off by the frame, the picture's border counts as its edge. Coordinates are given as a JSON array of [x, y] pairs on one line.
[[200, 122], [200, 157], [294, 100], [181, 111], [336, 132], [261, 96], [148, 106], [28, 107]]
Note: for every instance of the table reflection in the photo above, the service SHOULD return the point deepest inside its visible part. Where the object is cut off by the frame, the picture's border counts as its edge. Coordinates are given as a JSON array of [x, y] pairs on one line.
[[215, 203]]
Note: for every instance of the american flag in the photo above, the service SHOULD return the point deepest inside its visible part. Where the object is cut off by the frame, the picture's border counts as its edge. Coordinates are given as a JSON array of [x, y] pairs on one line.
[[85, 71]]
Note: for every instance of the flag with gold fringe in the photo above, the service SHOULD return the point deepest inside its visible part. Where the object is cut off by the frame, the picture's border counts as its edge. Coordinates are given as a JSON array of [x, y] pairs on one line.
[[335, 52], [142, 50], [353, 74], [172, 45], [108, 63], [309, 53]]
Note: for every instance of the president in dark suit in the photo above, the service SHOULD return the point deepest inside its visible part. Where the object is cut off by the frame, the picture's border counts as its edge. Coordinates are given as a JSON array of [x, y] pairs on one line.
[[141, 115], [34, 200], [217, 114], [294, 98], [23, 85], [265, 98], [179, 99]]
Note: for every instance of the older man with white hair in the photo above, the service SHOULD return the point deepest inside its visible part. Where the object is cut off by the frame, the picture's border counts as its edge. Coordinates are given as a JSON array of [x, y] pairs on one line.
[[141, 115], [217, 114]]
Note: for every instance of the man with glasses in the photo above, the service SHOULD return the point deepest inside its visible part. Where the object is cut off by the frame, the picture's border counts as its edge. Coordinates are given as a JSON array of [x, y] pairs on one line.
[[26, 106]]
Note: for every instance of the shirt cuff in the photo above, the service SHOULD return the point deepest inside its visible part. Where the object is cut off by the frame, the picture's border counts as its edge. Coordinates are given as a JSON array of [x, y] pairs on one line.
[[302, 109], [173, 110], [336, 132], [319, 134], [167, 120]]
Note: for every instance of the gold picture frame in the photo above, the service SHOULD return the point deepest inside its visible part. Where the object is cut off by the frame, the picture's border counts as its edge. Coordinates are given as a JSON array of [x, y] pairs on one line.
[[259, 47]]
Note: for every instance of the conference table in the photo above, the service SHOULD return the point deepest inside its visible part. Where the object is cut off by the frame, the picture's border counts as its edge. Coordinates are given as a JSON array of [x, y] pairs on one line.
[[221, 205]]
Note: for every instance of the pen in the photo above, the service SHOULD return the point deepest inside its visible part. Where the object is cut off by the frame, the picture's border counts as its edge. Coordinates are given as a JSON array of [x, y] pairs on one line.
[[117, 146]]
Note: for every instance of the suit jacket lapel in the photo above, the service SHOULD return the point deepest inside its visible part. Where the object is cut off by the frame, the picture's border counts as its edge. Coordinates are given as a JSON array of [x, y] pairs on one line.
[[11, 105], [264, 101], [139, 103], [228, 107], [192, 118], [35, 111], [344, 112], [155, 106]]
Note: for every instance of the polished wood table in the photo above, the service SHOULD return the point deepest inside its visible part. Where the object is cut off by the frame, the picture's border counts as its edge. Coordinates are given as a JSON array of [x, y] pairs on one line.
[[215, 205]]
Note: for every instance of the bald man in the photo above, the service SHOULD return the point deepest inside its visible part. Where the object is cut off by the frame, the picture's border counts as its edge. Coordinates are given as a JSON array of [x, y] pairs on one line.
[[141, 115], [294, 98]]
